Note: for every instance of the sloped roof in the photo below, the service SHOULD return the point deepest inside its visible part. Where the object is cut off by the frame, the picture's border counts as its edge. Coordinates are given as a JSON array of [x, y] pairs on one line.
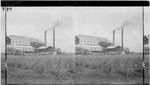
[[87, 37], [111, 47], [43, 47], [23, 38]]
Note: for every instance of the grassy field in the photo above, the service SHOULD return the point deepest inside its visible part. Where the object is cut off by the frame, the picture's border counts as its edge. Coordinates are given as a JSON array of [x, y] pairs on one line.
[[78, 69]]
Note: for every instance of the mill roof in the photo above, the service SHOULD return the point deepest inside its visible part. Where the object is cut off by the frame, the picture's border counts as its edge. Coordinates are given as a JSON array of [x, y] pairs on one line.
[[23, 38], [87, 37]]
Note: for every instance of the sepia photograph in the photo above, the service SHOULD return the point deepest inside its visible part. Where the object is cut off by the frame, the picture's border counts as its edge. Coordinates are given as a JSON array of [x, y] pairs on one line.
[[75, 45]]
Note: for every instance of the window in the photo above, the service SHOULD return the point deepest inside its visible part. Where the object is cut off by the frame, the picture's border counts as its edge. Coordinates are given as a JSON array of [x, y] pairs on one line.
[[28, 43], [22, 42]]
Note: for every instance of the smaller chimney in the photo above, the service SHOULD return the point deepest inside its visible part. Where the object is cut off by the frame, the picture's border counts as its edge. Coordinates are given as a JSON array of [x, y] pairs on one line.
[[54, 39], [45, 38], [113, 37]]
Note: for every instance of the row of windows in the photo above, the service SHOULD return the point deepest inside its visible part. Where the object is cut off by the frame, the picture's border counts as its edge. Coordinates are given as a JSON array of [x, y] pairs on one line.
[[27, 49], [21, 42], [95, 48], [19, 45], [88, 41], [91, 44], [92, 47], [24, 49]]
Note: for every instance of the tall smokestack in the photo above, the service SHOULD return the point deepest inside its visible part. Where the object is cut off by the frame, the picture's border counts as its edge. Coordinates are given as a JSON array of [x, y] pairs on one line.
[[122, 38], [45, 38], [114, 37], [54, 39]]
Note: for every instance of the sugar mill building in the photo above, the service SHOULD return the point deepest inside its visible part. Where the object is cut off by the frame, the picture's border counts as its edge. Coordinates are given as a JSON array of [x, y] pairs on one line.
[[21, 43], [91, 43]]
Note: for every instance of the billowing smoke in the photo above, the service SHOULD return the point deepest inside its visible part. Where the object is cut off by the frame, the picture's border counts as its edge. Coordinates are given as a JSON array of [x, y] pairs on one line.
[[124, 24], [63, 21], [57, 23], [133, 21]]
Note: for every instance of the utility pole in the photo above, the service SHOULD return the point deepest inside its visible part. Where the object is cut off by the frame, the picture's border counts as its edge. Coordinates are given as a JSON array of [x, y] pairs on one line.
[[5, 9], [143, 44]]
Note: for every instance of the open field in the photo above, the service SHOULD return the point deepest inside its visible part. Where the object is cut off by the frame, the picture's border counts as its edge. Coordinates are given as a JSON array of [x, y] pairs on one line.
[[78, 69]]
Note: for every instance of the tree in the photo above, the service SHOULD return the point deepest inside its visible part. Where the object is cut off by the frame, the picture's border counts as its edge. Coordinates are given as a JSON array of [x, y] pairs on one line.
[[50, 48], [17, 52], [8, 40], [145, 40], [126, 50], [76, 40], [58, 50], [146, 50], [36, 45], [13, 51], [104, 44], [80, 50]]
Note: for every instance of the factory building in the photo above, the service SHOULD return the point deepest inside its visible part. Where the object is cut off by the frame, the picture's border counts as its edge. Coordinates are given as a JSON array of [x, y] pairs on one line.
[[91, 43], [21, 43]]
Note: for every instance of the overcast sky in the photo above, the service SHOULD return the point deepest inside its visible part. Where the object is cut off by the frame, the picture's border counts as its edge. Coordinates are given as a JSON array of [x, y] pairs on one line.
[[94, 21]]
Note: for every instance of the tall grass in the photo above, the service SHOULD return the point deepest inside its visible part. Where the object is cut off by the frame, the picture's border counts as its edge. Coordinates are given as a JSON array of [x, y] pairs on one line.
[[127, 66], [75, 67]]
